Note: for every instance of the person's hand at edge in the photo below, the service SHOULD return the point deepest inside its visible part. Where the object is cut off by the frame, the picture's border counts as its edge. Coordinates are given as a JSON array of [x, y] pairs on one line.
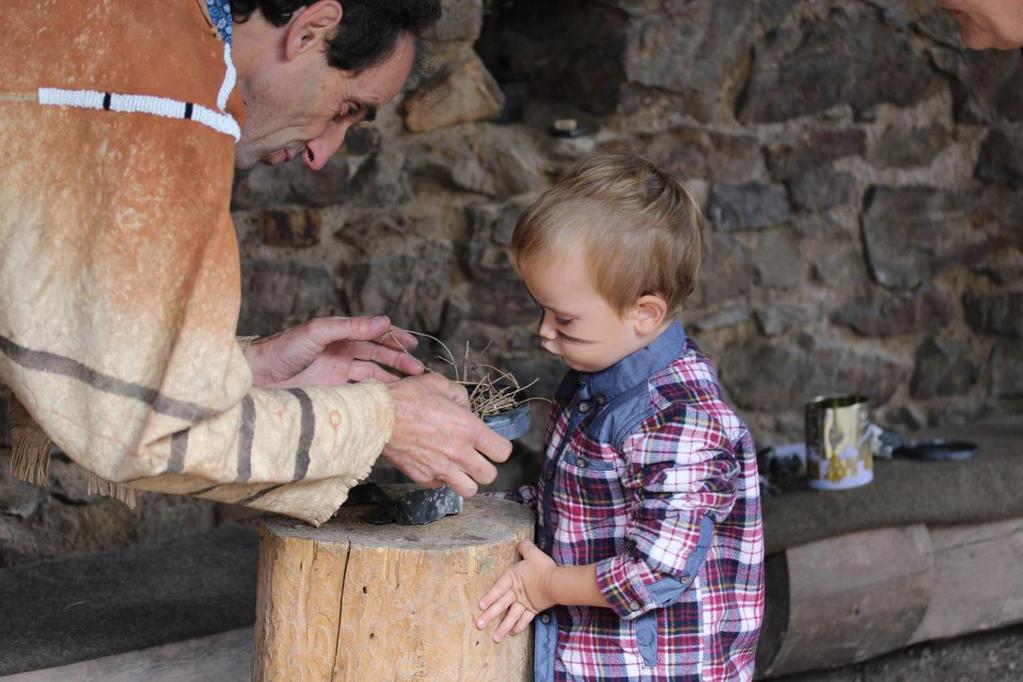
[[331, 351], [437, 440]]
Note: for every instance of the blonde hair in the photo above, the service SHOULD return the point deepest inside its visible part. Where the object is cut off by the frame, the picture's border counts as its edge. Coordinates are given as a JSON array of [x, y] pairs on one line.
[[641, 230]]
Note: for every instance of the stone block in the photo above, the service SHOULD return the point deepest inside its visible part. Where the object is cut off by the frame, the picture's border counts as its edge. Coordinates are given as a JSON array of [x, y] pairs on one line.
[[912, 233], [293, 183], [407, 278], [491, 225], [1007, 370], [19, 499], [460, 20], [777, 261], [753, 205], [850, 57], [883, 314], [779, 375], [939, 26], [725, 272], [487, 159], [1001, 159], [943, 368], [836, 260], [996, 314], [695, 50], [463, 93], [985, 83], [449, 160], [812, 149], [822, 189], [779, 318], [496, 296], [275, 294], [898, 148], [362, 140], [294, 228], [697, 153], [717, 318]]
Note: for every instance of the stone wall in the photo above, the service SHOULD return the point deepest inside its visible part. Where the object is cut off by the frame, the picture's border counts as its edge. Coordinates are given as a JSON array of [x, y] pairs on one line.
[[861, 174]]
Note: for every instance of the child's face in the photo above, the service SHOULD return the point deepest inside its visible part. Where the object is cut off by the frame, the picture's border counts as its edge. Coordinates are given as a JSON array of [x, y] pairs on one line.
[[576, 323]]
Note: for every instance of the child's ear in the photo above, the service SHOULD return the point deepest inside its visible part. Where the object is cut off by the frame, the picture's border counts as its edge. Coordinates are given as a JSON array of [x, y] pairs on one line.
[[648, 312]]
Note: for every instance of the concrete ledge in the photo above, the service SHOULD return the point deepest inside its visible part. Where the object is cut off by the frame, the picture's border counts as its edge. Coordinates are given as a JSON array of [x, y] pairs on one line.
[[53, 613], [226, 657]]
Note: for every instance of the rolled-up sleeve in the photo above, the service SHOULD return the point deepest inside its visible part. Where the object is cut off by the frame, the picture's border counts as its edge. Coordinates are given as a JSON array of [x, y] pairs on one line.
[[681, 478]]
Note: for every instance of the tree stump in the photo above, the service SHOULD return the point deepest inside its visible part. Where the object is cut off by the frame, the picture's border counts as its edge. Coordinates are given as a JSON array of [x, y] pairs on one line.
[[355, 601]]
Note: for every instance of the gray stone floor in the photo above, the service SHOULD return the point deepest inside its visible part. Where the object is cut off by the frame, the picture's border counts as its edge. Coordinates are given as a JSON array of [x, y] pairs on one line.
[[990, 657]]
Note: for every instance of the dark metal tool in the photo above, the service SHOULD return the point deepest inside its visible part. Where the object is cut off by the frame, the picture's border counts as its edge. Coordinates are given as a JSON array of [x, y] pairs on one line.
[[939, 450]]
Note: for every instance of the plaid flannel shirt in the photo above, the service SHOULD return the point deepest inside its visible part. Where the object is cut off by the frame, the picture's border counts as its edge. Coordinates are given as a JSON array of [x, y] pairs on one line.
[[651, 476]]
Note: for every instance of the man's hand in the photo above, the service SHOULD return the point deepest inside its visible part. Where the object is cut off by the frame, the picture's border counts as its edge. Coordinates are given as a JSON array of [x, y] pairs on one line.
[[436, 439], [519, 594], [330, 351]]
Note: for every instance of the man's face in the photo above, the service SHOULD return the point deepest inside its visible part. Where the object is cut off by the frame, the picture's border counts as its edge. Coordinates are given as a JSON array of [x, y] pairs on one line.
[[576, 323], [305, 107], [985, 24]]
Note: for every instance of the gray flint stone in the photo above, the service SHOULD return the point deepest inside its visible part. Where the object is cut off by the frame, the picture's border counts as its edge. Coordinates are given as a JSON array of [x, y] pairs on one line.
[[426, 506]]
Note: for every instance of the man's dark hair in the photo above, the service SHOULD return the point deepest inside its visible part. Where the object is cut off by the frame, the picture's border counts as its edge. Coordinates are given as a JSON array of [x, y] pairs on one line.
[[369, 29]]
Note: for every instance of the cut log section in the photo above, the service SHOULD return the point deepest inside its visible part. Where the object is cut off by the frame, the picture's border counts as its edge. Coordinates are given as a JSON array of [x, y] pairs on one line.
[[355, 601], [853, 597]]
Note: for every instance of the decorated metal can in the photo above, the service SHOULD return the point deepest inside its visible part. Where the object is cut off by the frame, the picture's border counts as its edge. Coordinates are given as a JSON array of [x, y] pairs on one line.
[[838, 455]]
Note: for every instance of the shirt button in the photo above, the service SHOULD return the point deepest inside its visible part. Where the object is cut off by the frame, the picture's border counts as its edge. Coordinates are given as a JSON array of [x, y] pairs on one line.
[[545, 619], [550, 473], [601, 400], [581, 462], [634, 606], [584, 406]]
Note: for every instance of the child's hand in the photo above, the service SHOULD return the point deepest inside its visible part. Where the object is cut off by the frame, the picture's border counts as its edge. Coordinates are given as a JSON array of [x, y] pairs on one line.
[[520, 593]]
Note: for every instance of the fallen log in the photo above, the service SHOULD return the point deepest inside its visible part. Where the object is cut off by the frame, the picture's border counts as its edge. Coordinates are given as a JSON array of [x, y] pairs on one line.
[[850, 598]]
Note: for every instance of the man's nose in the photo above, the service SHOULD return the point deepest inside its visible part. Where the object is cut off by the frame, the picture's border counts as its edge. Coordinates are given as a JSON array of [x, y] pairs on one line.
[[319, 149]]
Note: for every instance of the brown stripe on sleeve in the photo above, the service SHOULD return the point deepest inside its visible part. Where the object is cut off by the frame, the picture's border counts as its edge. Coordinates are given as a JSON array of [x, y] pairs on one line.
[[246, 432], [51, 363], [305, 440], [179, 448]]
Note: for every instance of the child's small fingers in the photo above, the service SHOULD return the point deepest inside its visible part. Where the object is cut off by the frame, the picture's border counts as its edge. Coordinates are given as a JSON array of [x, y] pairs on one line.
[[524, 620], [495, 610], [502, 586], [509, 621], [526, 548]]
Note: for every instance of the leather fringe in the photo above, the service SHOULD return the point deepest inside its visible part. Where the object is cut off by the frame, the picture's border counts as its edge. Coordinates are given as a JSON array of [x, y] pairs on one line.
[[30, 457], [118, 491], [30, 447]]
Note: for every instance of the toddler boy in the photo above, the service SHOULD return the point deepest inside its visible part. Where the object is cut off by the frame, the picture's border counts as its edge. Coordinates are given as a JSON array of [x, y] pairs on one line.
[[649, 556]]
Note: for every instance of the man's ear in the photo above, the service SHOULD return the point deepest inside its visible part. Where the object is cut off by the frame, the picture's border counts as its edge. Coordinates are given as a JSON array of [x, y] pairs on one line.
[[311, 27], [648, 312]]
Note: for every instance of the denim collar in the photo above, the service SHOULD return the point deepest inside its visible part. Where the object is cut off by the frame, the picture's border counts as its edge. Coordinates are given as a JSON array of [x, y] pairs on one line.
[[630, 370], [220, 13]]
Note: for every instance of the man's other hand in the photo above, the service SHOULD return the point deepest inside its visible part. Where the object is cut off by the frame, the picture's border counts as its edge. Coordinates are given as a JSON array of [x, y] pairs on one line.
[[330, 351], [436, 438]]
